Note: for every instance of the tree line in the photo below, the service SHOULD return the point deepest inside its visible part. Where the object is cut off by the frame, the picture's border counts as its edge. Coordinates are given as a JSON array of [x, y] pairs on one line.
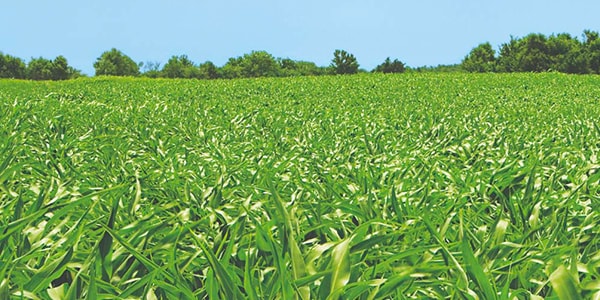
[[255, 64], [37, 68], [539, 53], [532, 53]]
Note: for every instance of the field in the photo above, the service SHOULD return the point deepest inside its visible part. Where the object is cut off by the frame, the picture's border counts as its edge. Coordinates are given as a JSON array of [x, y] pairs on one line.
[[371, 187]]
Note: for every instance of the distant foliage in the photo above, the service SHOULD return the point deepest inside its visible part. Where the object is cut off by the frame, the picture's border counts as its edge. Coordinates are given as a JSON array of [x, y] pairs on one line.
[[208, 70], [115, 63], [254, 64], [151, 69], [45, 69], [481, 59], [453, 68], [389, 66], [591, 50], [11, 67], [180, 67], [37, 68], [259, 64], [538, 53], [344, 63]]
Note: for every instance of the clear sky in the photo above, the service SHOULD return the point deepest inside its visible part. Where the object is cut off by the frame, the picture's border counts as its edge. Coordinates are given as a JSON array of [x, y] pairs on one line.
[[420, 32]]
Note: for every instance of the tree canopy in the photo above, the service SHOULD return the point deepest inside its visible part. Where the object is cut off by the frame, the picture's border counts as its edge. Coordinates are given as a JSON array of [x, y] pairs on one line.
[[389, 66], [37, 68], [11, 67], [539, 53], [45, 69], [180, 67], [481, 59], [344, 62], [115, 63]]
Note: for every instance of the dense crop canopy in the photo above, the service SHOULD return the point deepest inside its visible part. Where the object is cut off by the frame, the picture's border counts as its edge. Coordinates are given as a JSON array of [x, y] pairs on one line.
[[404, 186]]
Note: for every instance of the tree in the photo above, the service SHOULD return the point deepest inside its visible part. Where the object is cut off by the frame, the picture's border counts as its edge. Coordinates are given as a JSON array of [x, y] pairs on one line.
[[307, 68], [566, 54], [344, 63], [39, 69], [45, 69], [115, 63], [11, 67], [533, 54], [590, 36], [233, 68], [60, 69], [288, 67], [151, 69], [591, 50], [507, 60], [389, 66], [481, 59], [259, 64], [180, 67], [593, 53], [291, 67], [208, 70], [75, 73], [254, 64]]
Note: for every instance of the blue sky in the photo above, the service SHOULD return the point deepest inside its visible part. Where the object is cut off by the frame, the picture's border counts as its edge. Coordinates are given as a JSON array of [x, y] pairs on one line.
[[424, 32]]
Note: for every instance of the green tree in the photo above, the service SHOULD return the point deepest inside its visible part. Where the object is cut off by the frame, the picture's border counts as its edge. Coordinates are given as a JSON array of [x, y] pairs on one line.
[[481, 59], [259, 64], [307, 68], [151, 69], [75, 73], [60, 69], [344, 63], [11, 67], [233, 68], [590, 36], [115, 63], [208, 70], [39, 69], [288, 67], [534, 54], [566, 54], [507, 59], [389, 66], [254, 64], [291, 67], [180, 67], [591, 50], [45, 69]]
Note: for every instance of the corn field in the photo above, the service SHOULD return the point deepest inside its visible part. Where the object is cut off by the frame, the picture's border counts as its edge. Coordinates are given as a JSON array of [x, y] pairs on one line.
[[411, 186]]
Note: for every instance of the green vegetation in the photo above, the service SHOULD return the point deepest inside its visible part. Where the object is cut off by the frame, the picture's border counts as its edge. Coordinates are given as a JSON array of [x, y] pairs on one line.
[[116, 63], [370, 186], [389, 66], [344, 63], [538, 53], [37, 68]]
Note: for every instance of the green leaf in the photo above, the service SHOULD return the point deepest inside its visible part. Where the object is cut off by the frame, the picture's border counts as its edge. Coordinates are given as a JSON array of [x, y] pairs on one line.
[[476, 272], [4, 290], [340, 270], [229, 290], [49, 272], [564, 284]]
